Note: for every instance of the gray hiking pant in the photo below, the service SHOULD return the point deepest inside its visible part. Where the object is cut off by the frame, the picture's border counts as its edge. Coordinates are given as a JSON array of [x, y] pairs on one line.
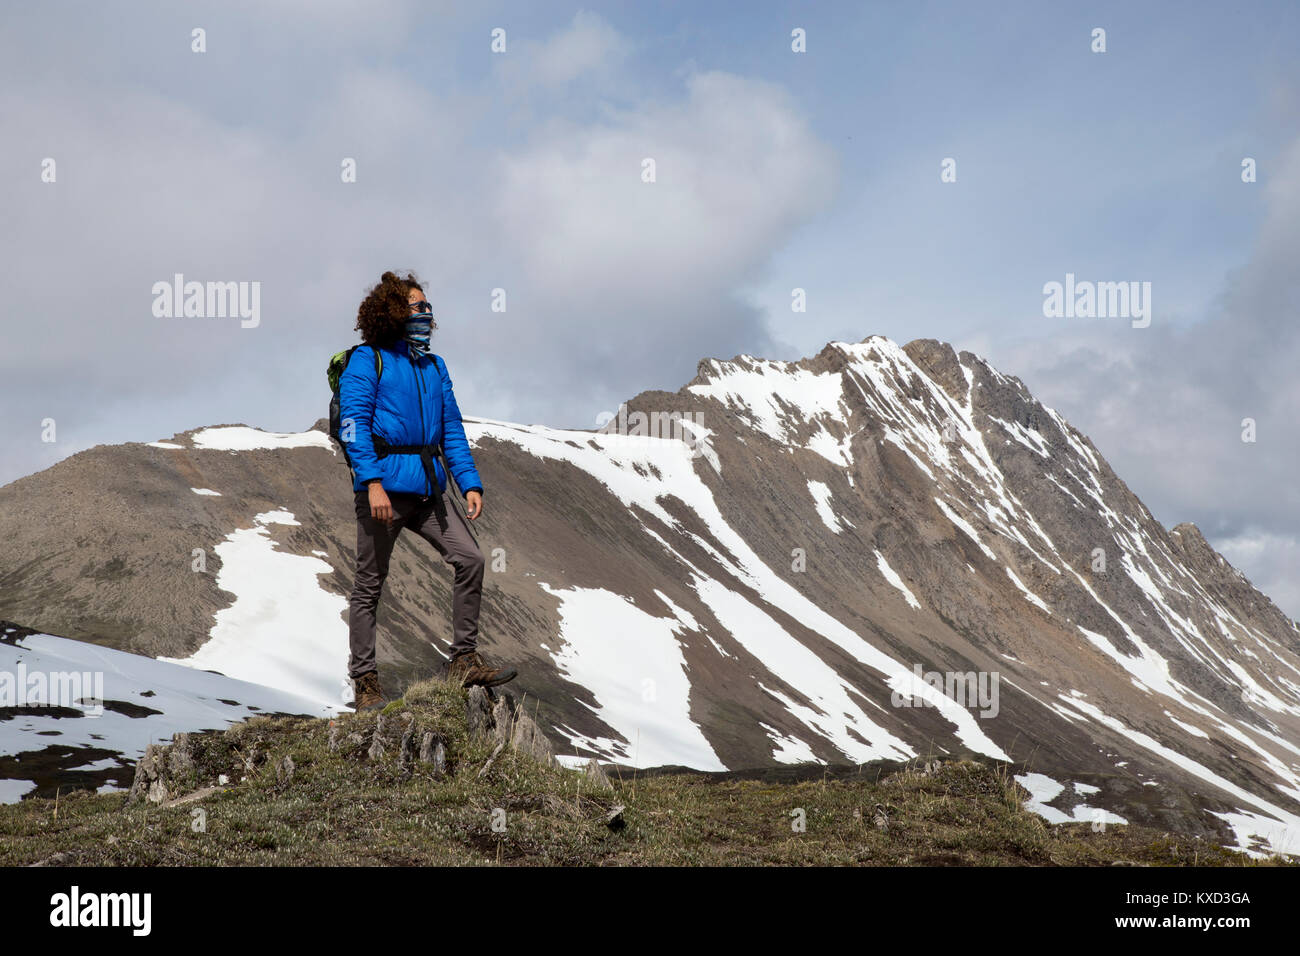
[[432, 518]]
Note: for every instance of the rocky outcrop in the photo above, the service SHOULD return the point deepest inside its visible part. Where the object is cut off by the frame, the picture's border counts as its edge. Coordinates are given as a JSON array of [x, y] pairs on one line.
[[150, 777], [940, 362], [505, 723], [596, 776], [195, 766]]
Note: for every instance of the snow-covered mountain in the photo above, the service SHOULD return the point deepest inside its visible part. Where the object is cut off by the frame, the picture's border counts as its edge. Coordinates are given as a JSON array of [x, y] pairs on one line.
[[803, 561]]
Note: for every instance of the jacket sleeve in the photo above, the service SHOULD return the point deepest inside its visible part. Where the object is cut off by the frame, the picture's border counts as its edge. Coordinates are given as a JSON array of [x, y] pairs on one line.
[[357, 389], [455, 446]]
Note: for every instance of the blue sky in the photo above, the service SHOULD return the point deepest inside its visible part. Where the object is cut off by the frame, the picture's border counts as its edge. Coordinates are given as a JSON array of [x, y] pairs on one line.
[[776, 170]]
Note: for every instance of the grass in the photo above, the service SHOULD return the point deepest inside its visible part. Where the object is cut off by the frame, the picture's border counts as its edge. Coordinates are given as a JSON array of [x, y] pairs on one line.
[[339, 807]]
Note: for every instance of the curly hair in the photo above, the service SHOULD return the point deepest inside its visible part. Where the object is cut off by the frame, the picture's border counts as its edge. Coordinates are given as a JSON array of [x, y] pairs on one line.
[[382, 316]]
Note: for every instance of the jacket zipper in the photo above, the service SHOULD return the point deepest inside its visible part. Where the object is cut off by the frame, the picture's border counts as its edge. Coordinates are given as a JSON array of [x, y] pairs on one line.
[[420, 386]]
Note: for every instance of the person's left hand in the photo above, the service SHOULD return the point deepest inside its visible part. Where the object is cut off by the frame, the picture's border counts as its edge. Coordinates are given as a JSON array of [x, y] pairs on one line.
[[474, 505]]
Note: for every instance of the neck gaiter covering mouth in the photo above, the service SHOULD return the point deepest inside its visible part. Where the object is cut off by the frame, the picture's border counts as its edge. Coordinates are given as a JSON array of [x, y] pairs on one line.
[[418, 329]]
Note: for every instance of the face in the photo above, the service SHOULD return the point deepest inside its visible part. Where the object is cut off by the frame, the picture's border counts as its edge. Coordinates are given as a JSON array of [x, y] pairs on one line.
[[416, 298]]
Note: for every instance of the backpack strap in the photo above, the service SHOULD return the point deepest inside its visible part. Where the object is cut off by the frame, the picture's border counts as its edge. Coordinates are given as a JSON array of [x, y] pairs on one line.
[[379, 359]]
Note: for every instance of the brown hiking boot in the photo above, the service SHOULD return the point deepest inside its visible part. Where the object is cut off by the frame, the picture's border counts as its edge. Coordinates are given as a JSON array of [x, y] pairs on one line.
[[367, 691], [469, 669]]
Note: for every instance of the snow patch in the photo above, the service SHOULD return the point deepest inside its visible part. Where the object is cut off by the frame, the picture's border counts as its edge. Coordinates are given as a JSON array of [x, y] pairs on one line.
[[11, 791], [283, 630], [243, 438], [789, 749], [1043, 790], [185, 699], [821, 494], [632, 664], [892, 577], [1030, 596], [1260, 837], [965, 526]]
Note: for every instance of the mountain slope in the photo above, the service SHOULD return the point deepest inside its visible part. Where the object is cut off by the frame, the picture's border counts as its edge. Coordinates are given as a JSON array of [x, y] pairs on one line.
[[764, 587]]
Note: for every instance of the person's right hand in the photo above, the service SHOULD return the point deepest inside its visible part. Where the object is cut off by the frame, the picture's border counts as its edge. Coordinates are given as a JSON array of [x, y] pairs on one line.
[[381, 509]]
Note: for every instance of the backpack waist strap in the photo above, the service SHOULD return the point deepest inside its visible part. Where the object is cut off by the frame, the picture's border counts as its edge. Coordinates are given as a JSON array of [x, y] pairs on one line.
[[426, 452], [383, 449]]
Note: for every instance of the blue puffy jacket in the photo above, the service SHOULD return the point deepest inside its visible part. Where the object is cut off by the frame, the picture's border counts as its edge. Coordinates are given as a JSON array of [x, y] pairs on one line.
[[411, 404]]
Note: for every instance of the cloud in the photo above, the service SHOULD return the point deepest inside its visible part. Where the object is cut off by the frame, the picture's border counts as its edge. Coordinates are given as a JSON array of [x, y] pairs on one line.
[[614, 285], [540, 74], [628, 276], [735, 169], [588, 45]]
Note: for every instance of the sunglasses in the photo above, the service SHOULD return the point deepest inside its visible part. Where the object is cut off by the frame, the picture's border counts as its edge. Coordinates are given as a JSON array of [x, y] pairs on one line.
[[421, 306]]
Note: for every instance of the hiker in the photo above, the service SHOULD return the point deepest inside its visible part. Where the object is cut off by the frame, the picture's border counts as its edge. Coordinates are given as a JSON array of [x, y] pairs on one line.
[[396, 395]]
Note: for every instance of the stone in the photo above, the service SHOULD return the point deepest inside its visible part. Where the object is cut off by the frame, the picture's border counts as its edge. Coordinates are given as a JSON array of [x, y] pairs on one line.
[[478, 713], [503, 720], [406, 751], [439, 759], [529, 739], [596, 775], [149, 770], [180, 756], [376, 751], [434, 751]]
